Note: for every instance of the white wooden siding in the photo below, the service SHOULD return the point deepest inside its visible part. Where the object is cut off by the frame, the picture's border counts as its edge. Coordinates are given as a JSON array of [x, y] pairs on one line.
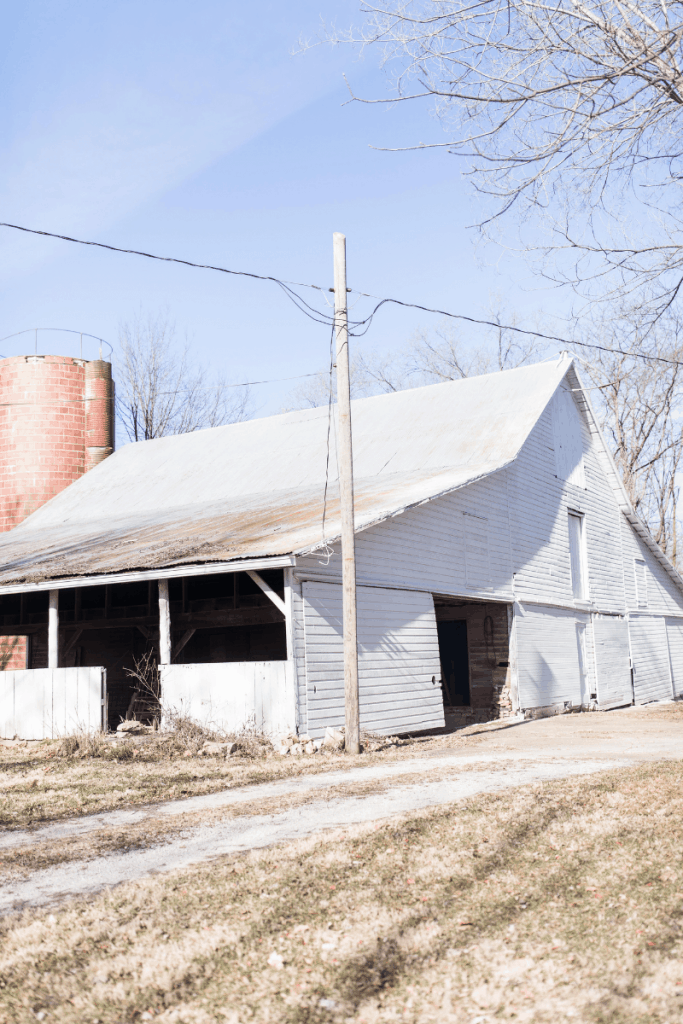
[[424, 548], [398, 659], [567, 438], [477, 567], [674, 633], [650, 654], [46, 703], [547, 657], [663, 596], [613, 663]]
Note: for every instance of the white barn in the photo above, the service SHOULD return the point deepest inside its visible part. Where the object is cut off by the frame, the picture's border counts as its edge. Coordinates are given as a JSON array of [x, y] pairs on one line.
[[500, 569]]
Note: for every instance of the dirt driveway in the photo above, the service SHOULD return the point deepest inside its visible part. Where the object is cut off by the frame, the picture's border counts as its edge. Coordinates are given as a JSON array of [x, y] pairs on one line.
[[84, 855]]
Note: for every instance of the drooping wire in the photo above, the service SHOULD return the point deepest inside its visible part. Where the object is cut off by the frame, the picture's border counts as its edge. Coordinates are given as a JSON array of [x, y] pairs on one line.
[[357, 328]]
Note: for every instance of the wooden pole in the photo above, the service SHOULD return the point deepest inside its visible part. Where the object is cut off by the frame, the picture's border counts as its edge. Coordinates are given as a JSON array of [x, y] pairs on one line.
[[53, 630], [164, 624], [348, 542]]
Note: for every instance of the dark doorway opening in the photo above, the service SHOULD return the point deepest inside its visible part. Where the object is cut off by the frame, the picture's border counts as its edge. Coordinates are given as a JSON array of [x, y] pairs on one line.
[[455, 667]]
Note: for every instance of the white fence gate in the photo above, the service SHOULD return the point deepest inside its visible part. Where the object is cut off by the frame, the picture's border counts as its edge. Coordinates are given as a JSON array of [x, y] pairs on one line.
[[45, 703]]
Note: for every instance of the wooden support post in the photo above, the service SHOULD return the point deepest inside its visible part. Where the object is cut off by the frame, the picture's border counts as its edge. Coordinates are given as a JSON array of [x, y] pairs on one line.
[[164, 624], [53, 630], [348, 540]]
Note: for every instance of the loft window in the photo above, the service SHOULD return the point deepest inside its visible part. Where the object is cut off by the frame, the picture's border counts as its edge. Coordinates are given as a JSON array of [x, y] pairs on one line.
[[577, 556], [641, 582]]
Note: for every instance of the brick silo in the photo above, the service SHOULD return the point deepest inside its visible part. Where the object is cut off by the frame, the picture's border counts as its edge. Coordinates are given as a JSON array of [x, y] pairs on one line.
[[56, 422]]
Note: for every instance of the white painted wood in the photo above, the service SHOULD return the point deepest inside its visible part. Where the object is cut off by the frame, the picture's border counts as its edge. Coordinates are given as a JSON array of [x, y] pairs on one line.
[[477, 566], [164, 624], [398, 659], [650, 653], [567, 438], [230, 696], [674, 633], [547, 657], [267, 590], [47, 703], [613, 664], [53, 630], [581, 646]]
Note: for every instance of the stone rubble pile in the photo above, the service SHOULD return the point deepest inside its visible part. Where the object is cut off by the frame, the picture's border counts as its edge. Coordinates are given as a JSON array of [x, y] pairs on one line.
[[134, 728], [214, 748], [296, 746]]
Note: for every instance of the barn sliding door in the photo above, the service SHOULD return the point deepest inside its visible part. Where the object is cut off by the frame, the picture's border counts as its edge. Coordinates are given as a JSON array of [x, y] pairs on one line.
[[674, 633], [612, 662], [650, 655], [398, 659]]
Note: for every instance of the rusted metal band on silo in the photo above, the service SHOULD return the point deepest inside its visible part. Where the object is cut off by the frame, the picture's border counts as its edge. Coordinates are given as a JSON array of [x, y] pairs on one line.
[[99, 412]]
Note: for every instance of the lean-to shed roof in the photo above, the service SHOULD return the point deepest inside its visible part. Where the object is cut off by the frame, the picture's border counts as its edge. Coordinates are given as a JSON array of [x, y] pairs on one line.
[[255, 489]]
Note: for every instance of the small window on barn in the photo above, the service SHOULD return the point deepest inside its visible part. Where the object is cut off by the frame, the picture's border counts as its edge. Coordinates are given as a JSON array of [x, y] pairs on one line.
[[641, 582], [577, 556], [477, 568], [567, 439]]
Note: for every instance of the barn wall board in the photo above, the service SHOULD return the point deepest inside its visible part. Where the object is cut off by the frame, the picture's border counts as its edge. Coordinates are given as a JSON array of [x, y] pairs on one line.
[[547, 657], [398, 659], [650, 654], [674, 633], [613, 665]]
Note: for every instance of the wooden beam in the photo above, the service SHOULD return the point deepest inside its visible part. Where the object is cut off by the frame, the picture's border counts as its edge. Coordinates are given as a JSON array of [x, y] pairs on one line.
[[186, 637], [72, 643], [268, 591], [220, 619], [145, 632]]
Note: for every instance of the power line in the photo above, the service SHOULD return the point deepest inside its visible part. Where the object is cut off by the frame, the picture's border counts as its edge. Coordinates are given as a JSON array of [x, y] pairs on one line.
[[361, 327], [213, 387]]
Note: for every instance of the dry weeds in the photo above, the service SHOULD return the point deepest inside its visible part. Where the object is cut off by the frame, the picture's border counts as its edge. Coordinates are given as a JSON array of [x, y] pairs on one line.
[[558, 901]]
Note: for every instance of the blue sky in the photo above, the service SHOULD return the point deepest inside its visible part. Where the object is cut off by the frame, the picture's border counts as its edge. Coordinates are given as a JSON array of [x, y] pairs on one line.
[[193, 130]]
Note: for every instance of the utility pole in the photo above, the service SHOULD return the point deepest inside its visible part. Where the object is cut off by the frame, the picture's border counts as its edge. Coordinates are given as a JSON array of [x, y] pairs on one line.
[[348, 540]]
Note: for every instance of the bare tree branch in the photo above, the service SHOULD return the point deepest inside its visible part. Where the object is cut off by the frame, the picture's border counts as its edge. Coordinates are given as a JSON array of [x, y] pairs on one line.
[[161, 390]]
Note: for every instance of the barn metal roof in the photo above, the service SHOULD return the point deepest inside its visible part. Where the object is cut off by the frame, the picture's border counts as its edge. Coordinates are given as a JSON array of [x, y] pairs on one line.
[[255, 489]]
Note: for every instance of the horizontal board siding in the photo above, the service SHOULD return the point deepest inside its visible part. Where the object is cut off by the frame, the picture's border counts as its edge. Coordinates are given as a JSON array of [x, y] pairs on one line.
[[662, 593], [613, 664], [424, 547], [539, 504], [398, 656], [650, 654], [547, 657], [674, 633]]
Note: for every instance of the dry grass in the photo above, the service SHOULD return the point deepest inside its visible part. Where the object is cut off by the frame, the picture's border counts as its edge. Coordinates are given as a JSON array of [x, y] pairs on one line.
[[52, 780], [560, 901]]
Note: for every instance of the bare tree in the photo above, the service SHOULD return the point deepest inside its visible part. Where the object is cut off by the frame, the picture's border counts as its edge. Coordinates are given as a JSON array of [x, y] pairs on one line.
[[571, 109], [429, 357], [641, 406], [160, 390]]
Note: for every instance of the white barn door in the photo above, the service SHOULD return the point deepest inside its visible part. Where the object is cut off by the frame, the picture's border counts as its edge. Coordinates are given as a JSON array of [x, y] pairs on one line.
[[674, 633], [549, 657], [612, 661], [398, 659], [650, 654]]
